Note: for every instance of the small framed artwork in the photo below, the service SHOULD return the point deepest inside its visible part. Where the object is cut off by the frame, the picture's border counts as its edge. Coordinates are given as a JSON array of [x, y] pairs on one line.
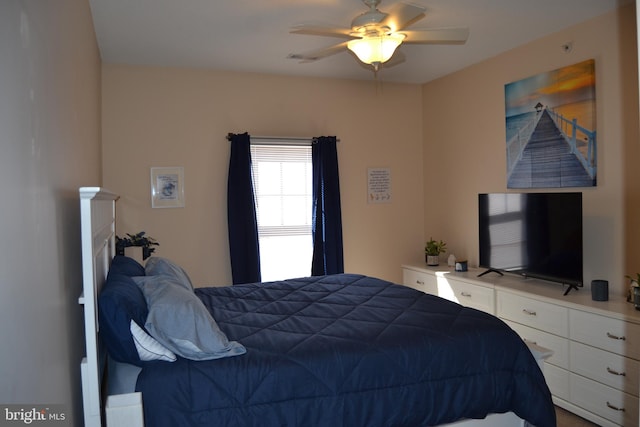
[[379, 185], [167, 187]]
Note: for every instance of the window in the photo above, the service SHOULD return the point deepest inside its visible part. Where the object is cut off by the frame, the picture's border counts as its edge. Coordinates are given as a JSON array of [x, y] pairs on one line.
[[282, 176]]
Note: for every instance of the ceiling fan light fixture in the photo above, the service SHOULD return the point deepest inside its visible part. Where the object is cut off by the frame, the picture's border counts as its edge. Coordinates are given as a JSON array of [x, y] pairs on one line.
[[376, 49]]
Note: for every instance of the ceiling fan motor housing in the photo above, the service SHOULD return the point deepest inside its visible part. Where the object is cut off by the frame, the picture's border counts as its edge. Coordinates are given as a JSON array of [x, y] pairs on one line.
[[368, 19]]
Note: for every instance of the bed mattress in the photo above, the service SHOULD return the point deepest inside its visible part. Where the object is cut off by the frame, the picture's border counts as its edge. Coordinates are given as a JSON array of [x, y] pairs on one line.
[[347, 350]]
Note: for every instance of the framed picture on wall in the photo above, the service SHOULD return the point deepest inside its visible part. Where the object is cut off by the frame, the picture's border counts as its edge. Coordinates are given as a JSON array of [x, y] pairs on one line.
[[167, 187], [551, 128]]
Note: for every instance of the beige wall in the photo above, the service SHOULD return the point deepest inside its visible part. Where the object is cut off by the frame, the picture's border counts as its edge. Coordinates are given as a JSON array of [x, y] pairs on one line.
[[180, 117], [50, 142], [464, 151]]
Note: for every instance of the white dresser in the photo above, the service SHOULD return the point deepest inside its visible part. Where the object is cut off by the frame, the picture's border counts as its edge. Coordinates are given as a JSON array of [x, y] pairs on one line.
[[595, 365]]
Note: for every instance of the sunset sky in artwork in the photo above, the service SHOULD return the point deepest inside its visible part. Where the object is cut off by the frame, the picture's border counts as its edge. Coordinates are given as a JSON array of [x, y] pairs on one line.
[[566, 85]]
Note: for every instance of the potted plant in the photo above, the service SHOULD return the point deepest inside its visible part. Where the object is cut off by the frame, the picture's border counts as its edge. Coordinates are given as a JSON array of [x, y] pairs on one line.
[[140, 240], [432, 251]]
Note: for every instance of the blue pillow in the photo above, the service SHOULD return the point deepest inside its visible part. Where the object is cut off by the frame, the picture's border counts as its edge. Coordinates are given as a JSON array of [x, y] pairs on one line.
[[180, 321], [157, 266], [127, 266], [119, 302]]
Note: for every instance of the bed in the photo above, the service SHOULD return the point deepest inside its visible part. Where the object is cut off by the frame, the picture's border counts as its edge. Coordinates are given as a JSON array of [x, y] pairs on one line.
[[340, 350]]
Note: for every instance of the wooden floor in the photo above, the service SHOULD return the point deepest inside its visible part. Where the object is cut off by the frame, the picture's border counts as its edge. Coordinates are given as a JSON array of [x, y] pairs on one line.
[[568, 419]]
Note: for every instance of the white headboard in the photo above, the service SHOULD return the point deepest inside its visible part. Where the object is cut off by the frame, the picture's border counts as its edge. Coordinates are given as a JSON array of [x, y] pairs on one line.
[[98, 225]]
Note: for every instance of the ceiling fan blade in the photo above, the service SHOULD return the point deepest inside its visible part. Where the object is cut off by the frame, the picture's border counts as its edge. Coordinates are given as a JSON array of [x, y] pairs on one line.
[[437, 36], [402, 15], [314, 55], [315, 30]]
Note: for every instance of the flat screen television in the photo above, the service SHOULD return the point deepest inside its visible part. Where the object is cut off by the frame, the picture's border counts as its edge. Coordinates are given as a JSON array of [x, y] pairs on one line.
[[532, 234]]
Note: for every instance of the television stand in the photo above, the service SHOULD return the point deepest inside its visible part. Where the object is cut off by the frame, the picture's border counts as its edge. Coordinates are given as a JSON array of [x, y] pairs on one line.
[[574, 327], [570, 286], [490, 270]]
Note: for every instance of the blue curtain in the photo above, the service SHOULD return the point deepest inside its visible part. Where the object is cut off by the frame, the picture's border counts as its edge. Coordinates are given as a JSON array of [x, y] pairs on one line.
[[241, 213], [327, 216]]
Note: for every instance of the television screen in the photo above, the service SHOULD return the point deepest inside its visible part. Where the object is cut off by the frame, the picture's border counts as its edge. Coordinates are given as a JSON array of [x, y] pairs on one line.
[[532, 234]]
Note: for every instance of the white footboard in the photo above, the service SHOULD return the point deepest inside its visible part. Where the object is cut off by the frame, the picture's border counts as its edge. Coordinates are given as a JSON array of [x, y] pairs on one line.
[[125, 410]]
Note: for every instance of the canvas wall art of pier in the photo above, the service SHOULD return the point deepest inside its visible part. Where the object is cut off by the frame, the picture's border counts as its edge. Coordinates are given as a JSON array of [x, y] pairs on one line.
[[551, 129]]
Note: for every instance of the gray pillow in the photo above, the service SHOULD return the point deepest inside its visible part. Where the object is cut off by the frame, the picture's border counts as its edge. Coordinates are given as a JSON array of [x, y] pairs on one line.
[[158, 265], [181, 322]]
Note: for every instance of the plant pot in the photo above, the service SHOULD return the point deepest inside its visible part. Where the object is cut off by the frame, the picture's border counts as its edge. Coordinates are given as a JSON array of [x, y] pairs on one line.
[[134, 252], [635, 295], [432, 259]]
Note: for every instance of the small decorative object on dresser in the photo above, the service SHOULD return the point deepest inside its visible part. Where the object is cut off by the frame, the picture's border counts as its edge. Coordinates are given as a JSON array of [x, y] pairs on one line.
[[432, 251], [451, 260], [634, 284], [461, 265], [599, 290]]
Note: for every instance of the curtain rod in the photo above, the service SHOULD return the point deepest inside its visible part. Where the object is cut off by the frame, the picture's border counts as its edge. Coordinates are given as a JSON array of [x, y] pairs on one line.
[[284, 139]]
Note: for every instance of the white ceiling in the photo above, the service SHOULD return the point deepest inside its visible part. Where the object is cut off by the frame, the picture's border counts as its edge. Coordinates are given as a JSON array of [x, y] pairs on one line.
[[253, 35]]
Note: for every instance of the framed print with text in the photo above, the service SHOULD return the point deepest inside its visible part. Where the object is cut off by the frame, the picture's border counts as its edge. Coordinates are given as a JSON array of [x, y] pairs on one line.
[[167, 187]]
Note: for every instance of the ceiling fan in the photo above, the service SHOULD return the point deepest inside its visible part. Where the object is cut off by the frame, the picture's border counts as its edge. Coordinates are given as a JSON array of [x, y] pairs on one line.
[[375, 35]]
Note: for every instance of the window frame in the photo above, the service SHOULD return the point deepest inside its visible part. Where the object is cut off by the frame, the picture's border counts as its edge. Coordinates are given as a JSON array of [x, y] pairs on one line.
[[260, 153]]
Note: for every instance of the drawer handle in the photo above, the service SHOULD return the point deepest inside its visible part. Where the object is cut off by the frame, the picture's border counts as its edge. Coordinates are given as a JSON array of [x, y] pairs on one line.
[[615, 337], [612, 372], [465, 294], [419, 282], [529, 312], [615, 408]]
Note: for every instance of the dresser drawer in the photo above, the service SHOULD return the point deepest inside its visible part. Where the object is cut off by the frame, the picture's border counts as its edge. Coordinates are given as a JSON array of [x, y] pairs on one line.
[[557, 380], [559, 345], [608, 368], [424, 282], [606, 333], [466, 294], [612, 404], [534, 313]]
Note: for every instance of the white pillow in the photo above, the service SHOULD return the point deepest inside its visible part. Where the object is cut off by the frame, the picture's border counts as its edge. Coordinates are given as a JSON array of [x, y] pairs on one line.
[[148, 348]]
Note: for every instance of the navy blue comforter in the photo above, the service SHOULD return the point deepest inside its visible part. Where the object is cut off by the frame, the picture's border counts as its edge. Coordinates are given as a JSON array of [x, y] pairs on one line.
[[347, 350]]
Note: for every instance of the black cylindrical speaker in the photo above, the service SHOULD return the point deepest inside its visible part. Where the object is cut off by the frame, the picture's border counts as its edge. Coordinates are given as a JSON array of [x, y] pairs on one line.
[[599, 290]]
